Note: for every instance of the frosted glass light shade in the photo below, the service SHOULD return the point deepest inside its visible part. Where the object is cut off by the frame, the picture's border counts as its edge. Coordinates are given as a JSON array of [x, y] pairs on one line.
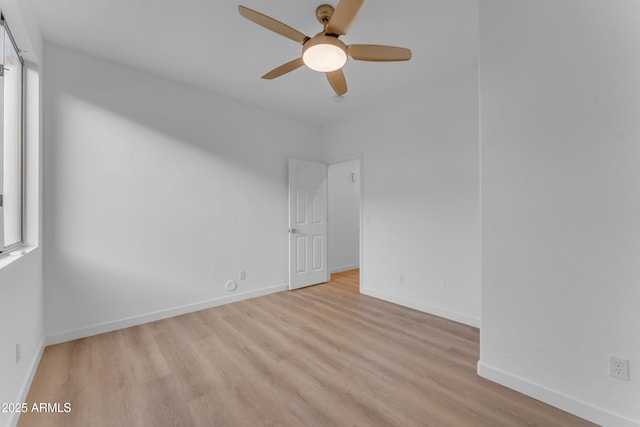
[[324, 54]]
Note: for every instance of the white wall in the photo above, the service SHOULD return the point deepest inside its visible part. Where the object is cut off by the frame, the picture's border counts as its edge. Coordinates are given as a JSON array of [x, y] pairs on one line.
[[344, 216], [560, 101], [156, 194], [420, 196], [21, 283]]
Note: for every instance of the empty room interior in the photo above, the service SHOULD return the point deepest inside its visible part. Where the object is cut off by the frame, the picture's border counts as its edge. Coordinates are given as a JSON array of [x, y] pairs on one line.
[[440, 229]]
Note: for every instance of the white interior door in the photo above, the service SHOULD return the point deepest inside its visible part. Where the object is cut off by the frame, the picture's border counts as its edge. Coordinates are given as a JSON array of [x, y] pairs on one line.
[[307, 223]]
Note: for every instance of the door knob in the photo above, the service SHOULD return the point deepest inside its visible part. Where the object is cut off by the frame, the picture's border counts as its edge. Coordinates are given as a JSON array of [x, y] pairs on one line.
[[293, 230]]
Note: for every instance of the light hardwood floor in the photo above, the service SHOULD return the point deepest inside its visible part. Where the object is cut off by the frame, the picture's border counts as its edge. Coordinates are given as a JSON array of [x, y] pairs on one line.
[[319, 356]]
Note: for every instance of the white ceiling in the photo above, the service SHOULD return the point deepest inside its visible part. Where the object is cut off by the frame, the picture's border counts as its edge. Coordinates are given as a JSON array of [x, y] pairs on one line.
[[207, 43]]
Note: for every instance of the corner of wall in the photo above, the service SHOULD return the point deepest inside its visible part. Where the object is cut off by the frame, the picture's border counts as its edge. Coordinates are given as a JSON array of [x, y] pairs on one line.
[[555, 398]]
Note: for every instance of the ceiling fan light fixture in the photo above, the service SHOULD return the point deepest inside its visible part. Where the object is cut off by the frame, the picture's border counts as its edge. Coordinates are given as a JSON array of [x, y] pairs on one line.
[[324, 53]]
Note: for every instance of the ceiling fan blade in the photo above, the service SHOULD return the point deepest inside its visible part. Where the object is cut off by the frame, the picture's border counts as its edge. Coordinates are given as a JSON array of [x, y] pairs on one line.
[[345, 14], [272, 24], [337, 81], [284, 69], [380, 53]]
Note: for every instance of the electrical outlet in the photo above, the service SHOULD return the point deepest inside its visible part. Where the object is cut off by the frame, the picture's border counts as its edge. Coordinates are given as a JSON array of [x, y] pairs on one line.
[[401, 277], [18, 352], [242, 275], [619, 368]]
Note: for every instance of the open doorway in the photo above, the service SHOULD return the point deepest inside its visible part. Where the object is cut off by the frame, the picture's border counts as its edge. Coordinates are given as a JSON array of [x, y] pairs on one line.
[[344, 215]]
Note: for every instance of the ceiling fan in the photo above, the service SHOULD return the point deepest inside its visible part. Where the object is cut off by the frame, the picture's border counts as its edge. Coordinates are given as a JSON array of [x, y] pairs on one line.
[[325, 52]]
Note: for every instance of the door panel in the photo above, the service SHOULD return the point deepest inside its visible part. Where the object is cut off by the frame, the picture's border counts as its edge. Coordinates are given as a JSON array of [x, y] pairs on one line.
[[307, 223]]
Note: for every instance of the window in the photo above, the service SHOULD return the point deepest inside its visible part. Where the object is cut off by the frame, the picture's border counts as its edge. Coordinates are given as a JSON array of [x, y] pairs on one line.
[[11, 185]]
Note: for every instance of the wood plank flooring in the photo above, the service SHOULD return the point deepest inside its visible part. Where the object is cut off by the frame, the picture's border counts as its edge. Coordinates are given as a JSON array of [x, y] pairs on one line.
[[319, 356]]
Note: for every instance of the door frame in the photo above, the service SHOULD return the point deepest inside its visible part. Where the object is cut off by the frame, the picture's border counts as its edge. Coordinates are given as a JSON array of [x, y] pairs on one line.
[[356, 156]]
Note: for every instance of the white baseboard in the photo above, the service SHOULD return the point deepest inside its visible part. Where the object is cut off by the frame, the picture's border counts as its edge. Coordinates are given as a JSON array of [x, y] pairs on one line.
[[114, 325], [554, 398], [436, 311], [343, 268], [26, 384]]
